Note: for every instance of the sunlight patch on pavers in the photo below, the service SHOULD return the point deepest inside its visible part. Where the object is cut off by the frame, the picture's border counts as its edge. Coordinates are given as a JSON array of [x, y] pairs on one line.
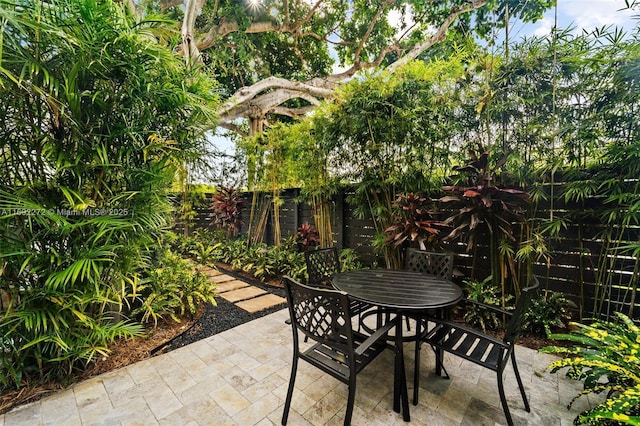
[[241, 294], [260, 303], [231, 285]]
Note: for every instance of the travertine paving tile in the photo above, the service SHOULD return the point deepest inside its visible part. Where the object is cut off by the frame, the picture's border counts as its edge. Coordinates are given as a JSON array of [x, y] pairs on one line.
[[30, 414], [207, 270], [162, 402], [91, 393], [142, 371], [61, 409], [231, 401], [201, 411], [258, 410]]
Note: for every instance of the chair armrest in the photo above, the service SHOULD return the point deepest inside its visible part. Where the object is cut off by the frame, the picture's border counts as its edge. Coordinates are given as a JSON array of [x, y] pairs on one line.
[[489, 307], [444, 325], [377, 335]]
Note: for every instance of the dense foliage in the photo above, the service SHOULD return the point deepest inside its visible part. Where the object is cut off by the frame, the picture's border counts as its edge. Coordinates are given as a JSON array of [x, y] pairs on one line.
[[605, 356], [557, 108], [277, 60], [413, 223], [262, 261], [97, 115], [171, 288]]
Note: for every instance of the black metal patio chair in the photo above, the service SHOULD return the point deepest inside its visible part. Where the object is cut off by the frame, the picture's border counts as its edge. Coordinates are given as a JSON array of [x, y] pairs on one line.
[[322, 265], [430, 263], [483, 349], [324, 316]]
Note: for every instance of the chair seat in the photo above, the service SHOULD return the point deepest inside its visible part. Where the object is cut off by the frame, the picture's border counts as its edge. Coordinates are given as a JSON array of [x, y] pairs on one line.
[[334, 362], [469, 344]]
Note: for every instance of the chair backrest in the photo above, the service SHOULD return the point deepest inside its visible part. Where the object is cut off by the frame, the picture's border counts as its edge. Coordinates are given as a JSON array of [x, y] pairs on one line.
[[322, 265], [514, 327], [321, 314], [427, 262]]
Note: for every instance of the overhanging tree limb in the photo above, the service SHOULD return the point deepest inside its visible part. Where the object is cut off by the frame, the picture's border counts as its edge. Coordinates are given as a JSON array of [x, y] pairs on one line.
[[364, 37]]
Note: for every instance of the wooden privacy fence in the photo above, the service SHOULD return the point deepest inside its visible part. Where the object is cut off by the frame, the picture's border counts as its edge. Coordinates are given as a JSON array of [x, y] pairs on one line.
[[589, 269]]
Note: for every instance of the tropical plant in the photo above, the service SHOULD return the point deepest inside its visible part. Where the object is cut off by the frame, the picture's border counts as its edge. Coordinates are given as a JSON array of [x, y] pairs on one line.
[[307, 237], [96, 117], [226, 210], [396, 143], [552, 310], [204, 252], [171, 288], [484, 292], [605, 356], [349, 260], [481, 207], [414, 223], [267, 262], [190, 200]]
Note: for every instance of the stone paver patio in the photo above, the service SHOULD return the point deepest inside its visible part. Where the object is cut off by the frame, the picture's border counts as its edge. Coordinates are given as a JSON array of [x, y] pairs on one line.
[[240, 377]]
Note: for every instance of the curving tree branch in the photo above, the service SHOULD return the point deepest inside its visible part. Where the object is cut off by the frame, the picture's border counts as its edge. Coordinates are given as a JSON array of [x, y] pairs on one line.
[[267, 96]]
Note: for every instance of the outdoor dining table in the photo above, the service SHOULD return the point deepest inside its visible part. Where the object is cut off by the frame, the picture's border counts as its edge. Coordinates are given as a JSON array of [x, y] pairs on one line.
[[401, 292]]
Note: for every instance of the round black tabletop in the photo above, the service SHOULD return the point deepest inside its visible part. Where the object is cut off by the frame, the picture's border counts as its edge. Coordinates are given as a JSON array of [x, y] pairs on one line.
[[398, 289]]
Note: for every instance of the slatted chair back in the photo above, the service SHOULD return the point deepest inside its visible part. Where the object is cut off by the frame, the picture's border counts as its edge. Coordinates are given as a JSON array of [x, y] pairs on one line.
[[322, 265], [427, 262], [514, 327]]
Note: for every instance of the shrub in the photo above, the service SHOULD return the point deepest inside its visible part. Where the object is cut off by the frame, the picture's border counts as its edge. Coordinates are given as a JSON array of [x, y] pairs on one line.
[[489, 294], [551, 310], [226, 210], [100, 118], [260, 260], [605, 356], [349, 260], [413, 223], [307, 237], [172, 288]]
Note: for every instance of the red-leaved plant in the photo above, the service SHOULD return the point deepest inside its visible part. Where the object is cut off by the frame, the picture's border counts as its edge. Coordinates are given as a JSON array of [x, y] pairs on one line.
[[484, 210], [414, 223], [307, 237], [227, 210]]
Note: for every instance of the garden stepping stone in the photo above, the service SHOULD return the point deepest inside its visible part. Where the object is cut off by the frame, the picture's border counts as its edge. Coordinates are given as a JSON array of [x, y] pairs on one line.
[[221, 278], [230, 285], [243, 293], [261, 303], [210, 272]]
